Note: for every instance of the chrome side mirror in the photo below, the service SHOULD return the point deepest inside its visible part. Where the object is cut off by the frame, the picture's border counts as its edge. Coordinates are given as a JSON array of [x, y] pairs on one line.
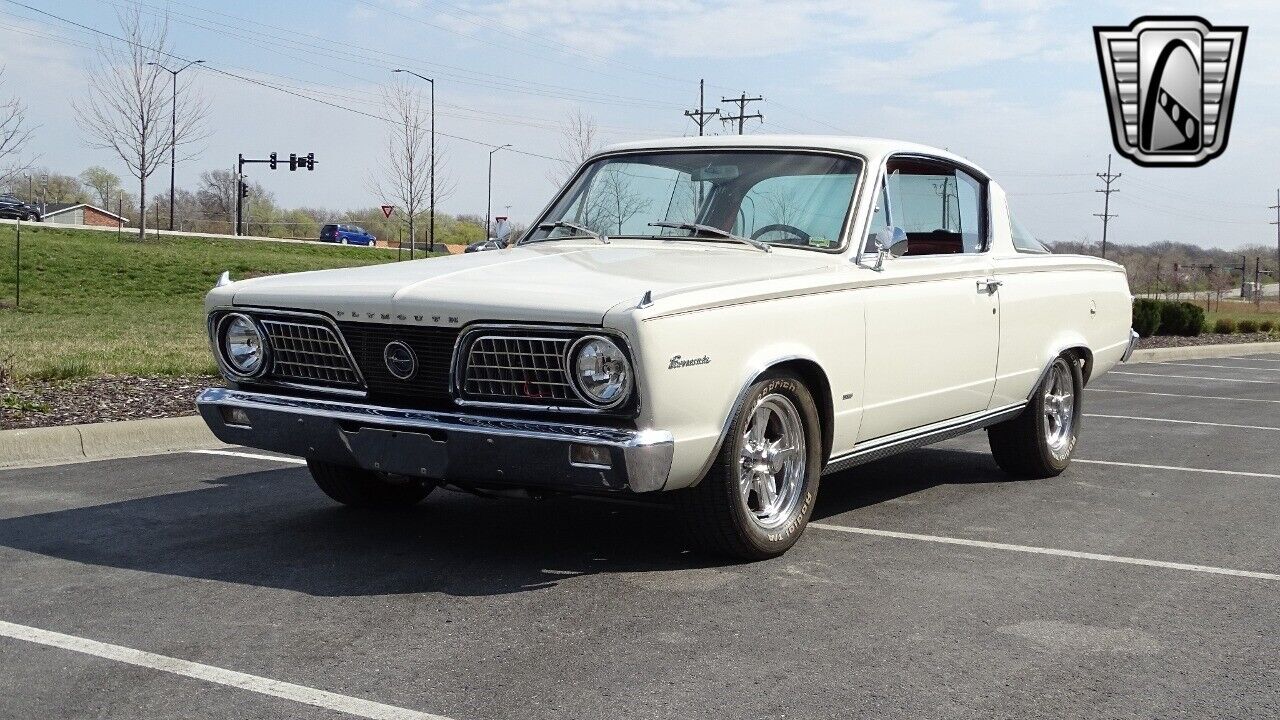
[[890, 242]]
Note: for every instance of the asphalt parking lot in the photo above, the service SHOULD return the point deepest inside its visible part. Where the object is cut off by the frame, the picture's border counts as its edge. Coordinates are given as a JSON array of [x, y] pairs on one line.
[[1143, 582]]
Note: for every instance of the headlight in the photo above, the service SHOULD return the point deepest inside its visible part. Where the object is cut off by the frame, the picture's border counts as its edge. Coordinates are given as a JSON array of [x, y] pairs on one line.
[[601, 373], [242, 344]]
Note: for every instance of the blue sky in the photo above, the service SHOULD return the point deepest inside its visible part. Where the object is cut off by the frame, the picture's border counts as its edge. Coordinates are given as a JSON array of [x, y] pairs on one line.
[[1012, 85]]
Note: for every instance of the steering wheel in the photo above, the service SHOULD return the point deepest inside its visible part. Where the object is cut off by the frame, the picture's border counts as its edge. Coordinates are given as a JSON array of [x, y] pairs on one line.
[[799, 234]]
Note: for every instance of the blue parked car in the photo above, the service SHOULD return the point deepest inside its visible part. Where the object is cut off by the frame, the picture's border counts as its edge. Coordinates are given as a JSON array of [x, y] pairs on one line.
[[347, 235]]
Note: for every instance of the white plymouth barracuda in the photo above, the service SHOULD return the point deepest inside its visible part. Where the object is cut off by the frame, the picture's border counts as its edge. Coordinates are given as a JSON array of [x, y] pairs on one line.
[[726, 319]]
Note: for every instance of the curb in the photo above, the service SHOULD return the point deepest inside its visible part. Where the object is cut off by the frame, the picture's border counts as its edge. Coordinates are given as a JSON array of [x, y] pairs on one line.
[[33, 447], [1200, 352]]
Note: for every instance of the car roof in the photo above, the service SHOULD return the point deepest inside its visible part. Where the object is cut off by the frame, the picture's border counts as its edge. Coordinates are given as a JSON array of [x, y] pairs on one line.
[[874, 149]]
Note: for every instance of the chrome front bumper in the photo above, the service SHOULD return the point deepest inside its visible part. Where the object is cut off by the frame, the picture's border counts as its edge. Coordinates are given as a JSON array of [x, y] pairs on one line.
[[1133, 343], [448, 446]]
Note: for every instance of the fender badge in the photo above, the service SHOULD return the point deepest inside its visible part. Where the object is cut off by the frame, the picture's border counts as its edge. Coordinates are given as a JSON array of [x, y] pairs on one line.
[[679, 362]]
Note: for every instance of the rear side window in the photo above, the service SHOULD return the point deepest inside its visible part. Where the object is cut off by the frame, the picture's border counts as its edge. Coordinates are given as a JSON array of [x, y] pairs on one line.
[[1023, 240]]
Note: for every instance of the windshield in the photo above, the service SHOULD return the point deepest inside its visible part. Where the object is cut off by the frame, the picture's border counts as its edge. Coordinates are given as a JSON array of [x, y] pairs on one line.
[[792, 199]]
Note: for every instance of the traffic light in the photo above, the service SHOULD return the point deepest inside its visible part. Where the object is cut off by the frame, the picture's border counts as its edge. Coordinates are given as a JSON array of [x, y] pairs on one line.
[[244, 189], [311, 161], [273, 161], [293, 162]]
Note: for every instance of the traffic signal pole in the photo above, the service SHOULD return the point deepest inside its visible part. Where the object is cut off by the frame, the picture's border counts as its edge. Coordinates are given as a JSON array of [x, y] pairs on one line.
[[242, 188]]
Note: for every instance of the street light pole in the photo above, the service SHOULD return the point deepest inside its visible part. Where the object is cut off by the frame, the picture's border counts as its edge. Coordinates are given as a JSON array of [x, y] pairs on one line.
[[431, 222], [488, 206], [173, 127]]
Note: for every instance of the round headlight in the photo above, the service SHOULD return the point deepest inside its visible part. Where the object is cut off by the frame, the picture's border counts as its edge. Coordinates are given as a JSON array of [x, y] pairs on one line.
[[242, 344], [601, 372]]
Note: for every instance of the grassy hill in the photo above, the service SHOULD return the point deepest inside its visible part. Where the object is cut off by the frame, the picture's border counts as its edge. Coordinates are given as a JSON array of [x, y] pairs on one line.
[[95, 303]]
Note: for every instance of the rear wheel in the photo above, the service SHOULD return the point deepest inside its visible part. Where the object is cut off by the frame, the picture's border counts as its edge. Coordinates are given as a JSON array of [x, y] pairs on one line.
[[757, 497], [364, 488], [1039, 442], [32, 217]]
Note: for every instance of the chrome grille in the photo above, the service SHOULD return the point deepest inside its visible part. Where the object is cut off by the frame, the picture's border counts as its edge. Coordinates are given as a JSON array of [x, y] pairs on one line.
[[308, 352], [518, 369]]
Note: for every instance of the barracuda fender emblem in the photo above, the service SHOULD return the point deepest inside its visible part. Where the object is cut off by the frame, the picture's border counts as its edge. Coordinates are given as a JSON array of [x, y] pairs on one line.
[[679, 362]]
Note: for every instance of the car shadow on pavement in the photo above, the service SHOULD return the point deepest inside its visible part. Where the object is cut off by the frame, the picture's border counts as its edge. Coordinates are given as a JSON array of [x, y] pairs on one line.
[[275, 529]]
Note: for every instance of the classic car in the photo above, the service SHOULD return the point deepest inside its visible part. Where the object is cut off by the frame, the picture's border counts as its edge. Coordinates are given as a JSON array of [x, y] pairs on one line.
[[727, 319]]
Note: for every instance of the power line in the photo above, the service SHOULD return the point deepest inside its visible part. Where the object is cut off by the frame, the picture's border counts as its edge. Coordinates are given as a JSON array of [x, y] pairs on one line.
[[742, 115], [1107, 179], [262, 83]]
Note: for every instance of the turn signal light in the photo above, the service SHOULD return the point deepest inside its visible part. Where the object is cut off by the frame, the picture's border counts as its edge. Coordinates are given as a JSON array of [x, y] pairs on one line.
[[593, 455]]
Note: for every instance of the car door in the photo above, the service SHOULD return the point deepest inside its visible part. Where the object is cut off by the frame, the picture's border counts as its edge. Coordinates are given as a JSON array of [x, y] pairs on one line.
[[932, 323]]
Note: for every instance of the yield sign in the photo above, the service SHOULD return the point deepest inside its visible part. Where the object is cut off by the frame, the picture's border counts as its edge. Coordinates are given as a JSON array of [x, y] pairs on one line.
[[387, 210]]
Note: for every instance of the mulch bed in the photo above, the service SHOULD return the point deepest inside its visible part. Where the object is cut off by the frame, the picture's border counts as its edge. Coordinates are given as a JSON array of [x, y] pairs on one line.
[[69, 402], [1167, 341]]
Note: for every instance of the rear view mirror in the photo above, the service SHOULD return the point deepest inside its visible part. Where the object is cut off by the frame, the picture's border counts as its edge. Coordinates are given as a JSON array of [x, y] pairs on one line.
[[715, 173]]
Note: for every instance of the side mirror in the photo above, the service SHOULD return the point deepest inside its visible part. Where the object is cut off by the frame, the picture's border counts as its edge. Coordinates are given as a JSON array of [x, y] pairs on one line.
[[890, 242]]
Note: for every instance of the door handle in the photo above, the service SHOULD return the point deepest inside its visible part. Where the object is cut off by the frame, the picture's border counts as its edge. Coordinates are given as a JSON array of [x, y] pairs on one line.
[[989, 286]]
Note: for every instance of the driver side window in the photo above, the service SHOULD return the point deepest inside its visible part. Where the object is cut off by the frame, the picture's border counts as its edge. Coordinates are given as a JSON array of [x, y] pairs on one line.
[[940, 207]]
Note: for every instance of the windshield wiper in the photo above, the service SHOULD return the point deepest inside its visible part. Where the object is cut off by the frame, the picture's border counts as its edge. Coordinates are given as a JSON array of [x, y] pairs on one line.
[[711, 230], [584, 231]]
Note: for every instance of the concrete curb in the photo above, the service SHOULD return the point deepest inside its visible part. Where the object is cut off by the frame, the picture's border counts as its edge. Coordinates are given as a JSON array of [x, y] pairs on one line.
[[33, 447], [1200, 352]]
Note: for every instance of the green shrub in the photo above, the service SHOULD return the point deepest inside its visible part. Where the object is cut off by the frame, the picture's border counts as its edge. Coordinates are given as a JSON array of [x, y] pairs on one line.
[[1224, 326], [1266, 325], [1248, 326], [1146, 317], [1195, 320], [1173, 318]]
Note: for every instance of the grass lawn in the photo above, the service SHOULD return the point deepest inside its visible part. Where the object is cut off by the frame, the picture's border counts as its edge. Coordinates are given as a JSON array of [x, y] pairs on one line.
[[94, 303], [1239, 310]]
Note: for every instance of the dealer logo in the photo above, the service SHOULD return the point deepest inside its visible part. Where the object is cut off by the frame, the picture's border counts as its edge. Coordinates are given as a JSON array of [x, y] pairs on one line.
[[1171, 87], [400, 360]]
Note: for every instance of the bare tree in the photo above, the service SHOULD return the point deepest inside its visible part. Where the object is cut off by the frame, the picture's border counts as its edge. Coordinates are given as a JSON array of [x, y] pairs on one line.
[[617, 201], [128, 106], [14, 134], [101, 181], [579, 141], [405, 178]]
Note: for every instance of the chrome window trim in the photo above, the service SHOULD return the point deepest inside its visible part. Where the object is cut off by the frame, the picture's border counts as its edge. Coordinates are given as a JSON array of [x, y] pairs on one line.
[[215, 317], [468, 332]]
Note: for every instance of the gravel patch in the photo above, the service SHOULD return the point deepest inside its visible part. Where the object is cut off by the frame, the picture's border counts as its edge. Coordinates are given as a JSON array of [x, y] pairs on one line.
[[71, 402], [1167, 341]]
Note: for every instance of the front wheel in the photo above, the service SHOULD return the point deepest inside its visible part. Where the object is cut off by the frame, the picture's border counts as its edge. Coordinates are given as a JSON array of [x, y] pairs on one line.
[[363, 488], [1039, 442], [757, 497]]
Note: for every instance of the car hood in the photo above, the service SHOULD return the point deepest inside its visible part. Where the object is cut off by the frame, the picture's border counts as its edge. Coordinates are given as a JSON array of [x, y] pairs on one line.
[[543, 283]]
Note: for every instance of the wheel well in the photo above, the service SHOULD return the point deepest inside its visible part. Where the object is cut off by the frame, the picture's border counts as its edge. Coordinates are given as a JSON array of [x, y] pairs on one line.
[[1082, 354], [816, 380]]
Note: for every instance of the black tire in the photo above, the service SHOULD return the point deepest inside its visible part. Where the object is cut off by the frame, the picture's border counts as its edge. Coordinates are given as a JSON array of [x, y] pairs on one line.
[[1021, 446], [32, 217], [363, 488], [718, 518]]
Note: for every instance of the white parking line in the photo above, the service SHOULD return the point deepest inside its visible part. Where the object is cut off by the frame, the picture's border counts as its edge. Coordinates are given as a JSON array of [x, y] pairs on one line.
[[1194, 397], [1195, 377], [1250, 357], [251, 456], [1182, 422], [1221, 367], [1047, 551], [220, 676], [1179, 469]]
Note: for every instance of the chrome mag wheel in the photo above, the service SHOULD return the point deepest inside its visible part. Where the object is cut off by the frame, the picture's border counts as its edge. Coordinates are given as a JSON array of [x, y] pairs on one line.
[[772, 473], [1059, 409]]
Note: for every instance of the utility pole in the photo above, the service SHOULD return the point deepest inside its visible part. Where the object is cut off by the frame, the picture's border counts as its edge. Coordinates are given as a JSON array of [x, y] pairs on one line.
[[1276, 222], [239, 190], [1107, 179], [701, 116], [173, 127], [742, 117]]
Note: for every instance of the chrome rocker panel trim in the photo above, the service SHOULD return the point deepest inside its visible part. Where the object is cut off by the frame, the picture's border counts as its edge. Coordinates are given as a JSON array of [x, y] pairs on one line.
[[880, 448], [448, 446]]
